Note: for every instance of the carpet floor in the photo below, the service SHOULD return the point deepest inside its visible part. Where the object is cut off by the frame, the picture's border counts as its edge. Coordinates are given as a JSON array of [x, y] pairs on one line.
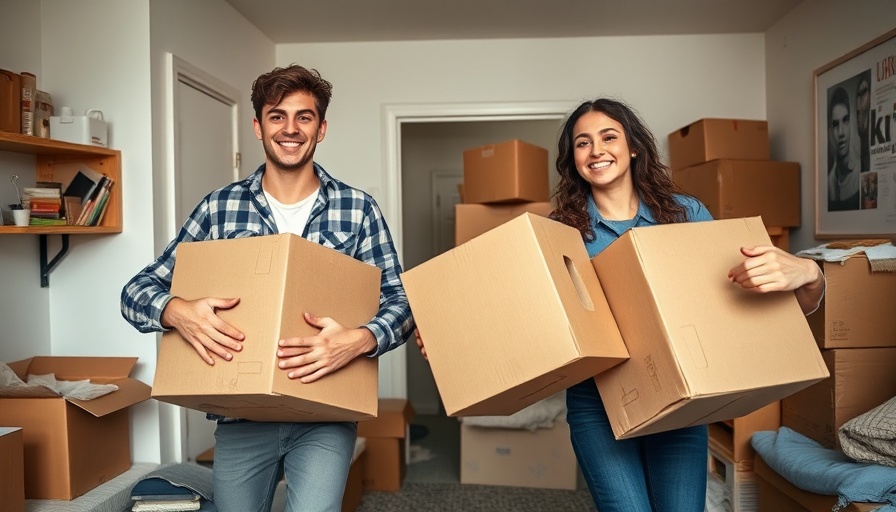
[[441, 497]]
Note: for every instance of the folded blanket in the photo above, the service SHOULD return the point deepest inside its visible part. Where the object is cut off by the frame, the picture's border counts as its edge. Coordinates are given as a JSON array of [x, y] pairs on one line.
[[871, 437], [193, 477], [814, 468], [541, 414]]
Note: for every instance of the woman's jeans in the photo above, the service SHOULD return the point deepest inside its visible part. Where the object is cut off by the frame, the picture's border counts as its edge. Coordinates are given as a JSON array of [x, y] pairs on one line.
[[249, 458], [664, 472]]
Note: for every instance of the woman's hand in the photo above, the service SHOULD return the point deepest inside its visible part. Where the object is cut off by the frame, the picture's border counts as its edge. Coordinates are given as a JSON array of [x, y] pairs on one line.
[[770, 269]]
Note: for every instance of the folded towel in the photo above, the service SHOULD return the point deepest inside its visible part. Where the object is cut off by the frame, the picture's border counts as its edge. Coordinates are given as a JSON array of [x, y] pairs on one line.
[[811, 467], [881, 254]]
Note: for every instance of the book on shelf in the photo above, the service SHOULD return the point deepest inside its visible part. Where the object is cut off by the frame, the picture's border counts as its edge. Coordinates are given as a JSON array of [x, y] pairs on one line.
[[29, 95], [72, 205], [83, 183], [44, 200], [93, 209]]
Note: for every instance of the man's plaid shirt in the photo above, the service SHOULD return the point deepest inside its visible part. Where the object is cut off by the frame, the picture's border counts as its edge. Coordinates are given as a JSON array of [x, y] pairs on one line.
[[342, 218]]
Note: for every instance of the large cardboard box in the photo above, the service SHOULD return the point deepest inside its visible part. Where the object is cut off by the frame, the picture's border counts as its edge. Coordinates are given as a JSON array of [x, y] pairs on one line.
[[512, 317], [12, 469], [861, 379], [542, 458], [72, 446], [508, 172], [709, 139], [277, 278], [732, 189], [857, 310], [702, 349], [776, 494], [472, 220], [387, 445]]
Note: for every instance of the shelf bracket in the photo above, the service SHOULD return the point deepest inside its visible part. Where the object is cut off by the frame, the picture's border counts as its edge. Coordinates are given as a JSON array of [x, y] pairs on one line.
[[45, 267]]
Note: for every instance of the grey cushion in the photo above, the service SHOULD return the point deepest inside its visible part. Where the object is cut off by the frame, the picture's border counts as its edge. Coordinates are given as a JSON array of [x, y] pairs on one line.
[[871, 437]]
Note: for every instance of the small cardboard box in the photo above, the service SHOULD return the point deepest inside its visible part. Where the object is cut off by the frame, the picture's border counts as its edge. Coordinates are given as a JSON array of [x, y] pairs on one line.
[[732, 189], [512, 317], [709, 139], [778, 495], [738, 478], [702, 349], [508, 172], [861, 379], [72, 446], [354, 490], [857, 310], [542, 458], [472, 220], [387, 442], [12, 469], [277, 278], [731, 438]]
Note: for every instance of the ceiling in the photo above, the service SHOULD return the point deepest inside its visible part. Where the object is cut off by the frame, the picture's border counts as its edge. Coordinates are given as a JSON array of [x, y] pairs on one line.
[[294, 21]]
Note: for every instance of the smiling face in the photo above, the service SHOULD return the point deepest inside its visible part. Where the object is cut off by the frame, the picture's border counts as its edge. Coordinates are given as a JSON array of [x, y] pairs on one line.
[[600, 150], [290, 131]]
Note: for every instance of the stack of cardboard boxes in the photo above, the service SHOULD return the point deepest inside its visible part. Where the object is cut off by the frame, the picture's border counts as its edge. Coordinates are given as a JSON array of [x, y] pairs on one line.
[[856, 330], [501, 182], [726, 164]]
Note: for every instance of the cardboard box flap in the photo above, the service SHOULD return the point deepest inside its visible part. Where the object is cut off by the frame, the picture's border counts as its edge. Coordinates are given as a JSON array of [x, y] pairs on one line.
[[130, 392], [96, 369]]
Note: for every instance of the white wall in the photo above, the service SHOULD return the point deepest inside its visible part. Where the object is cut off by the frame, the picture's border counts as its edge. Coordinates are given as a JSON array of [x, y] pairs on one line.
[[815, 33], [24, 305]]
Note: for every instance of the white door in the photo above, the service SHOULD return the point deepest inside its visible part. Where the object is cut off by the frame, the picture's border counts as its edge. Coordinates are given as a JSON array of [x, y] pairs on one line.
[[205, 156], [445, 196]]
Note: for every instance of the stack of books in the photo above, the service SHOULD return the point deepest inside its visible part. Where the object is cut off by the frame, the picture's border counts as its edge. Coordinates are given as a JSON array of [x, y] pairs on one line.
[[45, 202], [160, 495], [87, 197]]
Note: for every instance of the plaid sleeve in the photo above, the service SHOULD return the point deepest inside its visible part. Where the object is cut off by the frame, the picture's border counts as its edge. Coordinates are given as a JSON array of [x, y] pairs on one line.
[[145, 296], [393, 324]]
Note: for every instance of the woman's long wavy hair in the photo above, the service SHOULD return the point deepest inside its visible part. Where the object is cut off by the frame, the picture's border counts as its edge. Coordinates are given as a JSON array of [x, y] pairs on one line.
[[651, 177]]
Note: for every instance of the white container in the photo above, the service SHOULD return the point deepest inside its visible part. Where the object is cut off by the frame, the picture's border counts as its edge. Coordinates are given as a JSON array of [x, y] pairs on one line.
[[86, 129]]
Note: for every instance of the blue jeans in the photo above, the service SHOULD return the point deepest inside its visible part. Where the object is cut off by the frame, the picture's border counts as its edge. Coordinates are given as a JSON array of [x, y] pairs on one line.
[[249, 457], [664, 472]]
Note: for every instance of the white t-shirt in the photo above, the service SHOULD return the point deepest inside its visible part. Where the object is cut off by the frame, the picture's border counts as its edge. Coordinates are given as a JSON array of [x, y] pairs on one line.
[[291, 218]]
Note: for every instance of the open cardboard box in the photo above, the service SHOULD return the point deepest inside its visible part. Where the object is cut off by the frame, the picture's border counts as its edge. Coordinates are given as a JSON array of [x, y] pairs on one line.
[[277, 278], [71, 446]]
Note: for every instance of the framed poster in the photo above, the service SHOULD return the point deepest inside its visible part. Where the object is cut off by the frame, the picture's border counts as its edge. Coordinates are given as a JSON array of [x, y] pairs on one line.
[[855, 143]]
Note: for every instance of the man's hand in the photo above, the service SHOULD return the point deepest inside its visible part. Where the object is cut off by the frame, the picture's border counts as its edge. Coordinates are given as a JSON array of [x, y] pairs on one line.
[[420, 344], [198, 324], [310, 358]]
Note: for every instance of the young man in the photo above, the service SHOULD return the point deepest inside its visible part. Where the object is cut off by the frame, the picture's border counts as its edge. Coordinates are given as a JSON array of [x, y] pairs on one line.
[[843, 178], [288, 193]]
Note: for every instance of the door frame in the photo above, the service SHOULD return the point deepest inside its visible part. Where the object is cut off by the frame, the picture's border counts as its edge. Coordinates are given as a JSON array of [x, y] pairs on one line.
[[393, 365], [173, 419], [179, 70]]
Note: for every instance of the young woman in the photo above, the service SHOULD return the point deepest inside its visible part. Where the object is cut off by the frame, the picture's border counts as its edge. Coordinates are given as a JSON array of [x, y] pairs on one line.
[[612, 179]]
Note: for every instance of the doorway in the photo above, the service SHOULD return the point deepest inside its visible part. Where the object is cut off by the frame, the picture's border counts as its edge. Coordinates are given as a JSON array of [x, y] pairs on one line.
[[428, 145]]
